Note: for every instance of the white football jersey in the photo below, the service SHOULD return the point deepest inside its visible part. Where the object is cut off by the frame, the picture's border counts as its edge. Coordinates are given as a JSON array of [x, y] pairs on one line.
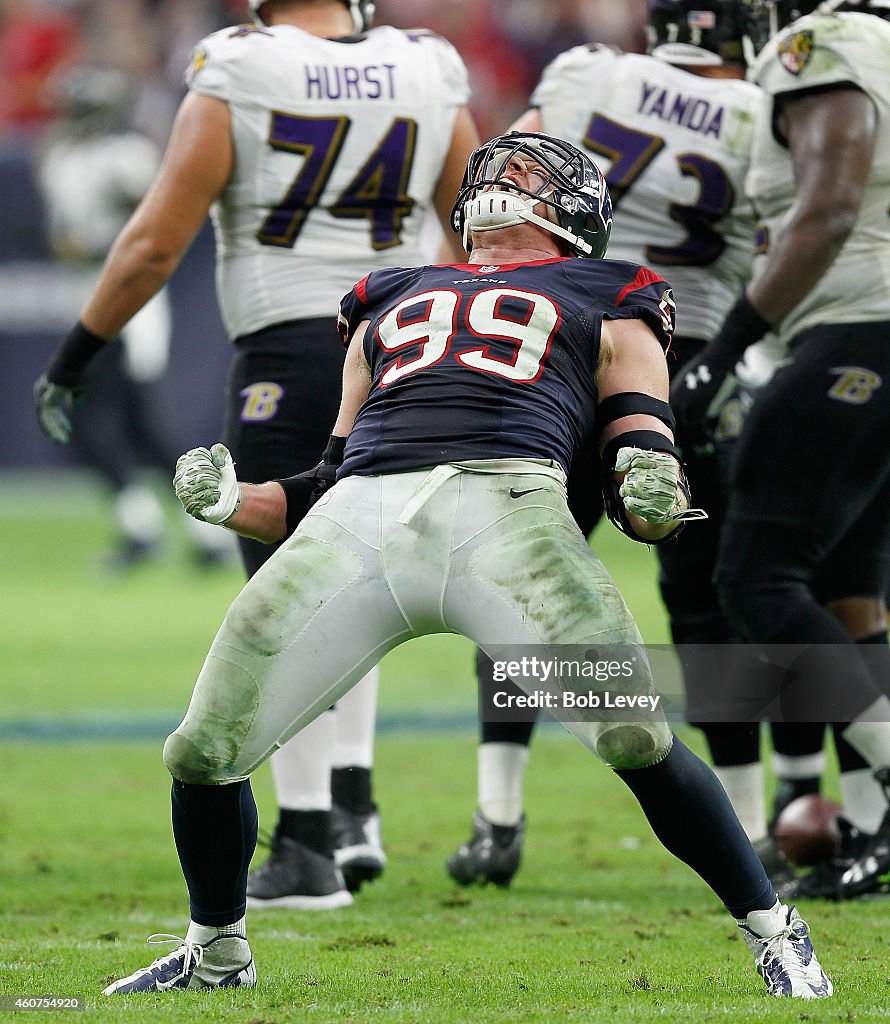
[[91, 184], [339, 145], [815, 52], [675, 148]]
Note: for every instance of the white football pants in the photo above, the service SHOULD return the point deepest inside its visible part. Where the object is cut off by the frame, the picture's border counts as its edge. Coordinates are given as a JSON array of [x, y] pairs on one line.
[[487, 549]]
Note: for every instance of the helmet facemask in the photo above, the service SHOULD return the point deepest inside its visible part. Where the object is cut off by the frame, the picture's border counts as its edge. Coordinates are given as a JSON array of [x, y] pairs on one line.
[[92, 100], [574, 195], [772, 16]]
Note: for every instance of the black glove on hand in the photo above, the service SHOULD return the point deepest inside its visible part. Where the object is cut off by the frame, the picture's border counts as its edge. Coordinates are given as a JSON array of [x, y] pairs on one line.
[[700, 382], [56, 391]]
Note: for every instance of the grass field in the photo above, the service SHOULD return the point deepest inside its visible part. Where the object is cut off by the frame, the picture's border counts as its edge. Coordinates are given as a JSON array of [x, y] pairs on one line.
[[600, 925]]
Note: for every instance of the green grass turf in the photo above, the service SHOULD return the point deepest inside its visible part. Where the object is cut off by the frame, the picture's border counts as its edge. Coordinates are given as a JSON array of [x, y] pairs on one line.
[[600, 925]]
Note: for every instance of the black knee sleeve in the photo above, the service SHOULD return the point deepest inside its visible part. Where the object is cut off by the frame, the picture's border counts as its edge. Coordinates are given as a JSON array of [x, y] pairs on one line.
[[692, 816], [732, 743], [798, 740], [215, 829]]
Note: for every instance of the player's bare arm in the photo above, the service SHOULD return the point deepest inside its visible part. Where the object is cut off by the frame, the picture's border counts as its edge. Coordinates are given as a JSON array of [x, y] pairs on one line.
[[262, 514], [831, 139], [464, 139], [195, 170], [356, 382], [631, 361]]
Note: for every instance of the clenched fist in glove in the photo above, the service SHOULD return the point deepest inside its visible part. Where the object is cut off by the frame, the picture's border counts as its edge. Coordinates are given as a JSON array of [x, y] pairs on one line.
[[654, 487], [206, 485]]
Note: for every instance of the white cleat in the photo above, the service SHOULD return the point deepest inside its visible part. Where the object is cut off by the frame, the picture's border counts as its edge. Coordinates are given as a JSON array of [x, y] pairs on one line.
[[225, 962], [780, 941]]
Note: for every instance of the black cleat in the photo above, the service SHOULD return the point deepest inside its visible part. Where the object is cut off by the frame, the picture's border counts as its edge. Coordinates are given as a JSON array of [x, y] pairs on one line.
[[358, 850], [129, 555], [491, 856], [867, 873], [824, 882], [862, 864], [296, 877]]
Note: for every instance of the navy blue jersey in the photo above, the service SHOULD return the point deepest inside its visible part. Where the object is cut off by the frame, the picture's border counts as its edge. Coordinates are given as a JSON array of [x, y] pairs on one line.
[[488, 362]]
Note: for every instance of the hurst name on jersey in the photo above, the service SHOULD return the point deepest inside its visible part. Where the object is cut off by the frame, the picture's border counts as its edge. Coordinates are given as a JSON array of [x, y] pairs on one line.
[[340, 144], [481, 362]]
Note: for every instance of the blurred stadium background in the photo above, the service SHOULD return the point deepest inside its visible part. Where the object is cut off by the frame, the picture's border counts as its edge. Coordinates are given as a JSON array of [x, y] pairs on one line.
[[505, 43]]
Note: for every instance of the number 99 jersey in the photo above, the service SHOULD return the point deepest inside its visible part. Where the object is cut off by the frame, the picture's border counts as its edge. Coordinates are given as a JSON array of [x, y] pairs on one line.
[[675, 149], [488, 362], [339, 144]]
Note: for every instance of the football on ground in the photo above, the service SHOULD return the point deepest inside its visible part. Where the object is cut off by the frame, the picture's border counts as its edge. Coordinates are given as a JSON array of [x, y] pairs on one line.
[[807, 831]]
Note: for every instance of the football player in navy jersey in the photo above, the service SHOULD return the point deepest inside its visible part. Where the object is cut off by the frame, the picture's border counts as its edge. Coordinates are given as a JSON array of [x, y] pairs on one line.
[[673, 130], [466, 391]]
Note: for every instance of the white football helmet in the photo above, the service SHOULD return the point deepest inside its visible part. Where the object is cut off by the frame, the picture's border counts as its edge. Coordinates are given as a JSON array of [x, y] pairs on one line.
[[362, 12]]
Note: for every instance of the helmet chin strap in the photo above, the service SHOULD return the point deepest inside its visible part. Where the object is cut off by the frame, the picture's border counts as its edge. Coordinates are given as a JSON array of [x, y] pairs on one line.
[[492, 210]]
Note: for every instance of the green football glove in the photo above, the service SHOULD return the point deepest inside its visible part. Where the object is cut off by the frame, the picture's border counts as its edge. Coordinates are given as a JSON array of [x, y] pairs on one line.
[[653, 486], [54, 406], [206, 485]]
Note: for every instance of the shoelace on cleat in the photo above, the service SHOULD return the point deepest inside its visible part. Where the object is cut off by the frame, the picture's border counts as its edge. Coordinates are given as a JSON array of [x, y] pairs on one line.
[[193, 958], [788, 956]]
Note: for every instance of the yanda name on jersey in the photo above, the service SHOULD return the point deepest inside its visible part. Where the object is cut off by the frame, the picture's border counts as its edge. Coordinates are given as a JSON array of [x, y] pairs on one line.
[[692, 112]]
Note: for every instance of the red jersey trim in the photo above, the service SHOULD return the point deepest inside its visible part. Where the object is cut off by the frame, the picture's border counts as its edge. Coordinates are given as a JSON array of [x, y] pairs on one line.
[[361, 289], [644, 277]]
